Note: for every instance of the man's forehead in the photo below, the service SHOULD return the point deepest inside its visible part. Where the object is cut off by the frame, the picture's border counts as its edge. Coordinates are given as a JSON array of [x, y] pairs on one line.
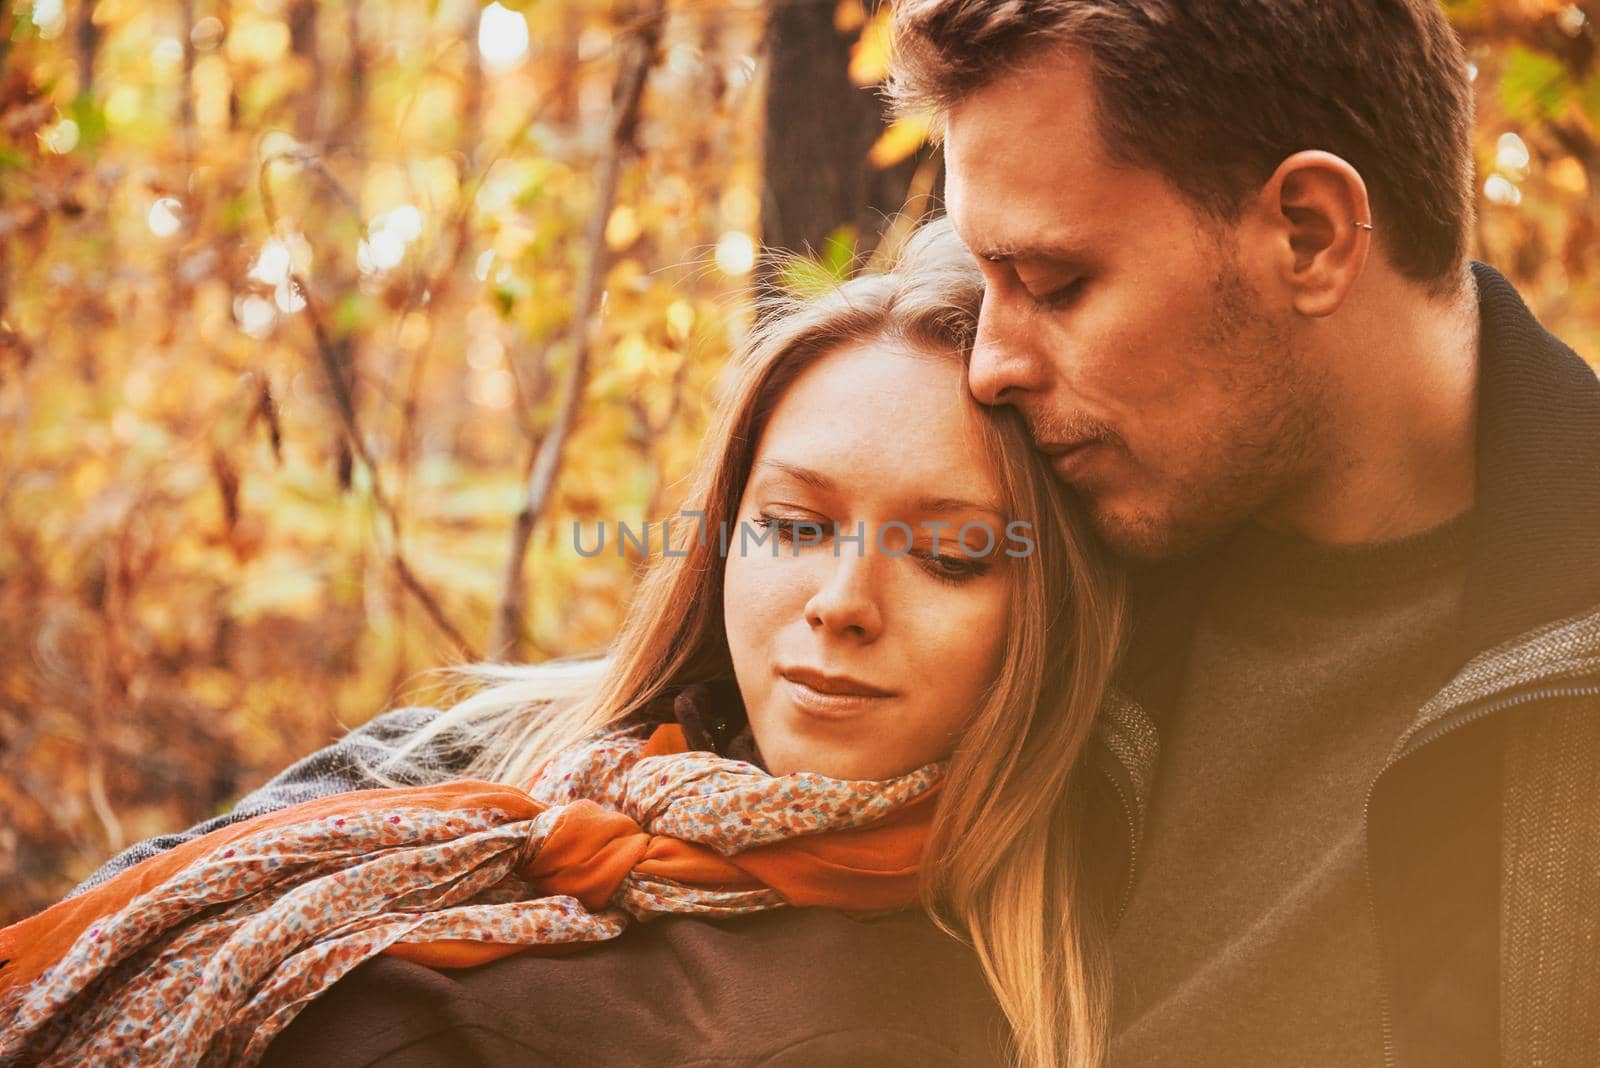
[[1003, 229], [1020, 182]]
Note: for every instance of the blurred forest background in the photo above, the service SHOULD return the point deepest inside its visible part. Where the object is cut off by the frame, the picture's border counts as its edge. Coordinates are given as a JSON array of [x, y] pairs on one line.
[[321, 323]]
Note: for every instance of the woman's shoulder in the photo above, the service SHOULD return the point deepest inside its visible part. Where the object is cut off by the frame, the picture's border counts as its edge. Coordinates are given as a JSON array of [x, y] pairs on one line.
[[396, 724], [352, 762], [357, 761]]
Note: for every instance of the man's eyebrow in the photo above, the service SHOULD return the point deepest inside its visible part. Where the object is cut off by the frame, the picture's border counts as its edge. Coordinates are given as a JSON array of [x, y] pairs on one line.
[[941, 505], [1008, 253]]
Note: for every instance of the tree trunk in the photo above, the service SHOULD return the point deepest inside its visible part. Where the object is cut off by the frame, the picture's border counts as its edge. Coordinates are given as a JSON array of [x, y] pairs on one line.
[[186, 116], [88, 35], [355, 115], [820, 127], [302, 18], [472, 92]]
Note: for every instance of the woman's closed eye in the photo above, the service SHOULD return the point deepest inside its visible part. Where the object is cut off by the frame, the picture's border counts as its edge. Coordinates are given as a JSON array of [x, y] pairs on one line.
[[788, 528], [953, 568]]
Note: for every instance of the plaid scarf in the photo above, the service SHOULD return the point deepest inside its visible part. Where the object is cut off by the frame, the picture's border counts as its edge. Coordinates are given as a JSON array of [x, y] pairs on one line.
[[202, 954]]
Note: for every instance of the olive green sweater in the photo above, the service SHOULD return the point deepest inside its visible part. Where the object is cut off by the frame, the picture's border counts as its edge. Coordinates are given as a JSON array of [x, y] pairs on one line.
[[1246, 940]]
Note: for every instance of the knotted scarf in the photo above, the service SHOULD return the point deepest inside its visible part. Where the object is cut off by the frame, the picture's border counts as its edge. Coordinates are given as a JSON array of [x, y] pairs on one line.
[[202, 954]]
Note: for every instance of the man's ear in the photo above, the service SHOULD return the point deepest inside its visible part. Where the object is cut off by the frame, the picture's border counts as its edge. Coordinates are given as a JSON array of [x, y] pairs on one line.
[[1318, 221]]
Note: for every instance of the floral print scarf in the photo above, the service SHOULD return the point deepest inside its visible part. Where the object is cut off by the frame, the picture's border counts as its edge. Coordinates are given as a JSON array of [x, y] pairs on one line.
[[203, 954]]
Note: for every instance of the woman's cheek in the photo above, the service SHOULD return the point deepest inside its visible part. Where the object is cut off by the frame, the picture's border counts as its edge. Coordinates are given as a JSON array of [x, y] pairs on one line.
[[772, 585], [962, 639], [760, 597]]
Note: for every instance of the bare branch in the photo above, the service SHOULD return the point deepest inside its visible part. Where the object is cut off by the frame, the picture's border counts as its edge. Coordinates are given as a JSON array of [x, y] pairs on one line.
[[658, 428], [344, 402], [637, 51]]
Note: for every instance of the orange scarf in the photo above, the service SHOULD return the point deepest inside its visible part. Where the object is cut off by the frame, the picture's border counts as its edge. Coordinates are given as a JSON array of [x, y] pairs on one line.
[[205, 952]]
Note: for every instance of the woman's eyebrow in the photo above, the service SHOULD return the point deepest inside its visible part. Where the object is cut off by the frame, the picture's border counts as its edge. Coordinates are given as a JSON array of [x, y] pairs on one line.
[[938, 505], [951, 505], [804, 475]]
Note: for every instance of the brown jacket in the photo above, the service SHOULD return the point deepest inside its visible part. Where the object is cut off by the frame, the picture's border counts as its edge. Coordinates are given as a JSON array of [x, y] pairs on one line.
[[785, 989]]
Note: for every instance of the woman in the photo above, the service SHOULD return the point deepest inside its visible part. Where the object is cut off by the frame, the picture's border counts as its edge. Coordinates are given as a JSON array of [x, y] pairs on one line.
[[888, 592]]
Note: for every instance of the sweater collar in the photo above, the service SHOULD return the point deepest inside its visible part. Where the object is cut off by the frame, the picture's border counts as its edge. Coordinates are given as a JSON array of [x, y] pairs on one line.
[[1536, 558], [713, 719]]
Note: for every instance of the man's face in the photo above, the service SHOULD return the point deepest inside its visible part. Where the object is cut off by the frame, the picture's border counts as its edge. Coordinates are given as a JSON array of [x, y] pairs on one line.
[[1123, 323]]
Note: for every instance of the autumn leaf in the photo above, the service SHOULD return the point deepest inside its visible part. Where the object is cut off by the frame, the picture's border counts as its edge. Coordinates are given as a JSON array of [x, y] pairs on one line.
[[900, 141], [869, 56]]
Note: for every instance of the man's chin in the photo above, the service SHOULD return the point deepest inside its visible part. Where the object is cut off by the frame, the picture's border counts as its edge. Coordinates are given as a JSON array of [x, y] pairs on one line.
[[1138, 536]]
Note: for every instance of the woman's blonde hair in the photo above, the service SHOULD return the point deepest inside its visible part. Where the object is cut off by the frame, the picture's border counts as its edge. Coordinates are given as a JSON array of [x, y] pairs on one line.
[[1001, 870]]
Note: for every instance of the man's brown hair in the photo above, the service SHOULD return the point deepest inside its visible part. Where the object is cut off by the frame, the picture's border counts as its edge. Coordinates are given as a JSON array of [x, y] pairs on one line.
[[1214, 94]]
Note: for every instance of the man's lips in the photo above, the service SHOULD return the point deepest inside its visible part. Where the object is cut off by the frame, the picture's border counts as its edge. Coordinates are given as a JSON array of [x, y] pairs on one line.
[[1070, 459]]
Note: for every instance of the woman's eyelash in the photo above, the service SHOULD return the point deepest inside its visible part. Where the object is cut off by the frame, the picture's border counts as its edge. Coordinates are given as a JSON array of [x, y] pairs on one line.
[[944, 567], [785, 530], [966, 567]]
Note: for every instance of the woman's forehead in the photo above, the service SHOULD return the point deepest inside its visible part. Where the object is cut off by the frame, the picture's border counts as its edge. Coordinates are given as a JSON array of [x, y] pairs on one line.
[[881, 419]]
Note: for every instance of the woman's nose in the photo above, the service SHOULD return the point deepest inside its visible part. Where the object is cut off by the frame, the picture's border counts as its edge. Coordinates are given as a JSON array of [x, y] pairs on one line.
[[846, 601]]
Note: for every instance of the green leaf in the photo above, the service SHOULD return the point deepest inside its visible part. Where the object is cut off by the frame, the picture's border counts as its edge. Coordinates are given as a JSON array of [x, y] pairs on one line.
[[1589, 98], [352, 314], [235, 211], [508, 291], [839, 252], [1533, 86], [812, 276], [91, 122]]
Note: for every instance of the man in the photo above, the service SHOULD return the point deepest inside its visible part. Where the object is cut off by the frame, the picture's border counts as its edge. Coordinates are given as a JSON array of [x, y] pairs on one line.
[[1350, 815]]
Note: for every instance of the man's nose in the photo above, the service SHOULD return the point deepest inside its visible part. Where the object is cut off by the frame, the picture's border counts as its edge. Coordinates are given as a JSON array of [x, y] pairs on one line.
[[1004, 360], [846, 600]]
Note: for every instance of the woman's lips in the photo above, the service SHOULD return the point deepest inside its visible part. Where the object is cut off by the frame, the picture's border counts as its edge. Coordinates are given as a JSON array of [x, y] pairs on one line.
[[826, 705]]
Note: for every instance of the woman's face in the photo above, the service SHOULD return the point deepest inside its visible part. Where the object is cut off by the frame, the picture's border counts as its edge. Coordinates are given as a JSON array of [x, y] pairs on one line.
[[864, 659]]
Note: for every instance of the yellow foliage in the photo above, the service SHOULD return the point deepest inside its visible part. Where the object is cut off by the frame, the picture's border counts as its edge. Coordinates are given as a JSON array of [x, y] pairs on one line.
[[199, 572], [623, 228], [849, 16], [257, 39], [899, 141], [200, 566], [869, 56]]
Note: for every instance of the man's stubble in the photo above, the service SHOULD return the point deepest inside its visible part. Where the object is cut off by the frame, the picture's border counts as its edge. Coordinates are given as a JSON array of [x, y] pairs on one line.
[[1247, 458]]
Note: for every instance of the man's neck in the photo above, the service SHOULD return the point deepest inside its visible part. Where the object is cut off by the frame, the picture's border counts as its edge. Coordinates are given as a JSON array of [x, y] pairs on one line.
[[1400, 433]]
